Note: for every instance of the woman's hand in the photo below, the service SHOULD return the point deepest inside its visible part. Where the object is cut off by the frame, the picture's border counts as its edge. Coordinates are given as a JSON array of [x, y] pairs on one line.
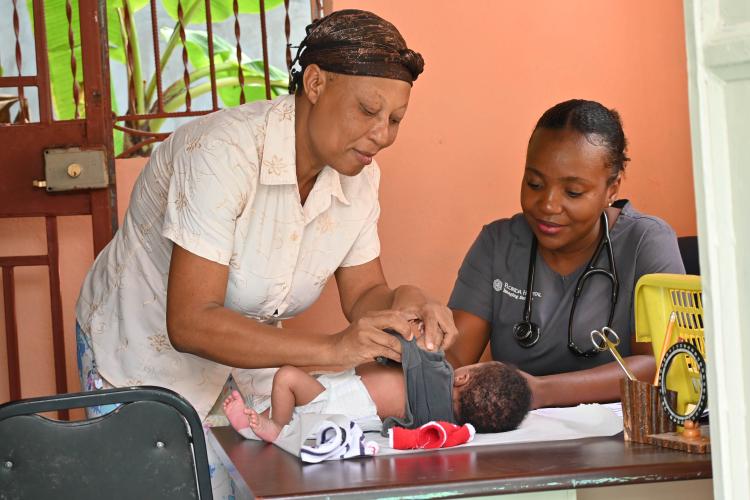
[[364, 339], [439, 331], [363, 288]]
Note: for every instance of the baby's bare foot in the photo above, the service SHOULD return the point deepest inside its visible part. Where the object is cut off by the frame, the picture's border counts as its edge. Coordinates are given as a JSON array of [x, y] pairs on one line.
[[262, 426], [234, 409]]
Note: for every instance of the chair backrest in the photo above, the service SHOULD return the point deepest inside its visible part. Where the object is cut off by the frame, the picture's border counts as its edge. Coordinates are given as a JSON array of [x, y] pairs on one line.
[[152, 446], [689, 253]]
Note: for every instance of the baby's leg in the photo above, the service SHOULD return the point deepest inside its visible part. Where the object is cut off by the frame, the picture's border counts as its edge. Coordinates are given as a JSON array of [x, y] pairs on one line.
[[262, 426], [291, 387], [242, 418], [234, 409]]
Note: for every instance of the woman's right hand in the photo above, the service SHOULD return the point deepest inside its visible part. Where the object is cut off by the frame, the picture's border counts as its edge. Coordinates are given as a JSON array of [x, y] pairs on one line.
[[364, 339]]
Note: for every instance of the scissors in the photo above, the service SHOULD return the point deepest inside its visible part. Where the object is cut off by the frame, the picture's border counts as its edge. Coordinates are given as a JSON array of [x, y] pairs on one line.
[[608, 340]]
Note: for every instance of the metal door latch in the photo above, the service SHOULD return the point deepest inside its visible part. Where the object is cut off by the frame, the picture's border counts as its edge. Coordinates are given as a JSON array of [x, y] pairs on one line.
[[73, 169]]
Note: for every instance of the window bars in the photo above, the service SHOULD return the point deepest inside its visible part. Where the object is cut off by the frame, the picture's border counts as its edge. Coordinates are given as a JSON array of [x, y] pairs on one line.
[[218, 69], [224, 66]]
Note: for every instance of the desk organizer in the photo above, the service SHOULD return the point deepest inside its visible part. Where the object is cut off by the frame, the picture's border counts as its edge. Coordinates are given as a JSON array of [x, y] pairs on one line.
[[642, 412], [680, 353]]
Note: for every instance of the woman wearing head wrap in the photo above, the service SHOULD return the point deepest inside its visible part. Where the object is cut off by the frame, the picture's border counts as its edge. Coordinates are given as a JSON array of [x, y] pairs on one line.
[[240, 218]]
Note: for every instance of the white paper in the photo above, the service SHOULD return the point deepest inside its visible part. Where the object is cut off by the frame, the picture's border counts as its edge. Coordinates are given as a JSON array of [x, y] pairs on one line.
[[547, 424]]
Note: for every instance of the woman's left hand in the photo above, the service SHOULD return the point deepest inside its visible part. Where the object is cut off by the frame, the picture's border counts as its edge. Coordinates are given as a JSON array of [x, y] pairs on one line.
[[438, 330]]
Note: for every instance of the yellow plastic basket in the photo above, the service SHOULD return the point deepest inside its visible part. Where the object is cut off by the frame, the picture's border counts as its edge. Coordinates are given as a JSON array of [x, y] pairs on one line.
[[656, 297]]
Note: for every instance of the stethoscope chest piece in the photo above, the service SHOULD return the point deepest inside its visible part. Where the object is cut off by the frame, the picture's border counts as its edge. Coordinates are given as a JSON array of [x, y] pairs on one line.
[[527, 333]]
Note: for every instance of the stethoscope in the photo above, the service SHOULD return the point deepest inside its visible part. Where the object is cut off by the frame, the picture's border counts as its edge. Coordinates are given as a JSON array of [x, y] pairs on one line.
[[527, 332]]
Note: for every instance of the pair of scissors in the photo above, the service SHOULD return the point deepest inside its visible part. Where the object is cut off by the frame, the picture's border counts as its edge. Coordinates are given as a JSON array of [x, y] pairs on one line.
[[608, 340]]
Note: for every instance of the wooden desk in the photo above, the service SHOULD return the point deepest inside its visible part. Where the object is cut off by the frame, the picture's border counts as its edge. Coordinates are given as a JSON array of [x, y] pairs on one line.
[[269, 472]]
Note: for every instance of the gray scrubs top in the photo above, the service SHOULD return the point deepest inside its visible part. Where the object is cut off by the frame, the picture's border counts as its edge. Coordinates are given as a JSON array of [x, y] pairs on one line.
[[492, 285]]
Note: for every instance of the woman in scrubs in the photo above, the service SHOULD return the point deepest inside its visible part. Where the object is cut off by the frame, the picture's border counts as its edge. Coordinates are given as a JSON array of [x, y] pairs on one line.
[[535, 285]]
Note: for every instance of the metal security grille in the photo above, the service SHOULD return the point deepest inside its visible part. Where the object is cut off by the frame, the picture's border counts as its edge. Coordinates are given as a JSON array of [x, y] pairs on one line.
[[201, 62]]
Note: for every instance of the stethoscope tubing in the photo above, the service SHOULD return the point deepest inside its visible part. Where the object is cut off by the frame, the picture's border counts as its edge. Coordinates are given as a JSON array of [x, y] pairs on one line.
[[526, 328]]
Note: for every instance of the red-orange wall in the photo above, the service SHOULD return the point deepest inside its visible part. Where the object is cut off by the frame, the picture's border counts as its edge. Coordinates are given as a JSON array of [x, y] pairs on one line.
[[492, 67]]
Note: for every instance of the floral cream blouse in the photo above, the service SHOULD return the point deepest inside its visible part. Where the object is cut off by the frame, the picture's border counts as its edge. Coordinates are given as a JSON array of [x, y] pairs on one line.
[[223, 187]]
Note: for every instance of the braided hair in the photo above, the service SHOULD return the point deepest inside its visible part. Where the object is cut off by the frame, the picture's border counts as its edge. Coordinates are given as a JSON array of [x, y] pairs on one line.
[[600, 126]]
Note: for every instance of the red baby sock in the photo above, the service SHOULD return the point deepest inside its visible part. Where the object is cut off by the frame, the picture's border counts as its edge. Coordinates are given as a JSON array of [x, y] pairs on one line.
[[457, 434], [430, 435]]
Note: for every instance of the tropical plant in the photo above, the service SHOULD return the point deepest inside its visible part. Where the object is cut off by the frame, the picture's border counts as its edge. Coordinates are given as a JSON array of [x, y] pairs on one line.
[[142, 95]]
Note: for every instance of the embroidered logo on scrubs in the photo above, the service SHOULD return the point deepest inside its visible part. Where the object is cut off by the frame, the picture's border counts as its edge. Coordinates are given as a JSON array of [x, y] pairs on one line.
[[511, 291]]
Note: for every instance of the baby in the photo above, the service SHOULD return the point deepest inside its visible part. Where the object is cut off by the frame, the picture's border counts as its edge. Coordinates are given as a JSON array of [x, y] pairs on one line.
[[491, 396]]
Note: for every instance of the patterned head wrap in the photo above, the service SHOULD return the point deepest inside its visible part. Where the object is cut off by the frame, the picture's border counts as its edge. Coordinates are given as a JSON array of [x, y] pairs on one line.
[[356, 42]]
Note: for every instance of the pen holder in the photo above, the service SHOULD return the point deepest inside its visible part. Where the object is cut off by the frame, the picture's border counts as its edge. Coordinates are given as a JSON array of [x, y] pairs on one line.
[[642, 412]]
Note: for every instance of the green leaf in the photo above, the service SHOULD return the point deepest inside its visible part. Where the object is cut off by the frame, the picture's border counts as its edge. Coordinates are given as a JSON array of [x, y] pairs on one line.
[[135, 5], [197, 47], [220, 9], [118, 136], [114, 33], [230, 96], [256, 67], [59, 54], [117, 53]]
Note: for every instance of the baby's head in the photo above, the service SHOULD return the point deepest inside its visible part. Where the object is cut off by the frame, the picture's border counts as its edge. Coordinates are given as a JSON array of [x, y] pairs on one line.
[[491, 396]]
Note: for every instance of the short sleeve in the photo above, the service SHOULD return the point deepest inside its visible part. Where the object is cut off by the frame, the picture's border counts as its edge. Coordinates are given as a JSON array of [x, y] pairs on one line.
[[367, 245], [473, 289], [215, 172], [658, 251]]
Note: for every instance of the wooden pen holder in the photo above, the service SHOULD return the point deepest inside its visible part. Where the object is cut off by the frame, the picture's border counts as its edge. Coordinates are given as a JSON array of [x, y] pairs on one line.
[[642, 412]]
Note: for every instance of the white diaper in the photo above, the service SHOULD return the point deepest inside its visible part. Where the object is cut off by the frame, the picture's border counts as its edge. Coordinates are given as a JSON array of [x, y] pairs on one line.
[[344, 394]]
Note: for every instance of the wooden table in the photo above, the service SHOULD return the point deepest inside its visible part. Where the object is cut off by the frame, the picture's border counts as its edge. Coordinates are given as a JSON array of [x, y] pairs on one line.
[[270, 472]]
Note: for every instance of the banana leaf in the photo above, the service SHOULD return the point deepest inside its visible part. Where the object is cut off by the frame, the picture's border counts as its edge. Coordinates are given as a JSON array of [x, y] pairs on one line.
[[59, 53], [114, 32], [196, 43], [225, 61], [220, 9]]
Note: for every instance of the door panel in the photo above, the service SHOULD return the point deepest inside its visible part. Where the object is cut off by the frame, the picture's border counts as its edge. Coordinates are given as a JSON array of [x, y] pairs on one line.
[[718, 48], [35, 323]]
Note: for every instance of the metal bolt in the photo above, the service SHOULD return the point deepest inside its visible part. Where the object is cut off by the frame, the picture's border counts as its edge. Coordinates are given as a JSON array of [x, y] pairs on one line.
[[74, 169], [8, 464], [39, 184], [159, 444]]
